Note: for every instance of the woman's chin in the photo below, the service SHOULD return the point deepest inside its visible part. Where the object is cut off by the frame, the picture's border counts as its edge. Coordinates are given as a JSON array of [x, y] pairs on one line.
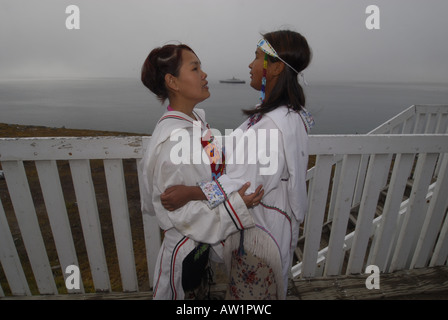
[[204, 97], [255, 86]]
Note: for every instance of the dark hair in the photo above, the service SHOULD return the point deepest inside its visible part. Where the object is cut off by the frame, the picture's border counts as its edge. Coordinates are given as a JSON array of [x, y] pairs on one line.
[[161, 61], [293, 48]]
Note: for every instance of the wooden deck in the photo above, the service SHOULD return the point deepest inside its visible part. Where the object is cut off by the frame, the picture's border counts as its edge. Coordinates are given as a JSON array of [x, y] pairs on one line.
[[427, 283], [416, 284]]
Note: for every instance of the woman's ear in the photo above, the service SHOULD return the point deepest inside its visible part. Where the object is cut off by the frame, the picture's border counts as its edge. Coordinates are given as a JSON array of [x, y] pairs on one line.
[[277, 68], [171, 83]]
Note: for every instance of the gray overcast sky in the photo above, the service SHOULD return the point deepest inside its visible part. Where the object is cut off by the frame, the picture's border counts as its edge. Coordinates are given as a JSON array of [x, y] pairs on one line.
[[117, 35]]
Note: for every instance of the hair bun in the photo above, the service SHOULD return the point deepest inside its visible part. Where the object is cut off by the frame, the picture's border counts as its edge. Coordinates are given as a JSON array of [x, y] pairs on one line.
[[160, 62]]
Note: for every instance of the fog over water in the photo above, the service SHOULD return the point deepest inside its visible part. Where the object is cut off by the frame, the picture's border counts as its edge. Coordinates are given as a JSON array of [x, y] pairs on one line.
[[367, 65], [126, 105]]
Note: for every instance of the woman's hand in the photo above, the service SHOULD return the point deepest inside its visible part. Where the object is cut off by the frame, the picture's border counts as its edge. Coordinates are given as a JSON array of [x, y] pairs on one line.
[[177, 196], [253, 199]]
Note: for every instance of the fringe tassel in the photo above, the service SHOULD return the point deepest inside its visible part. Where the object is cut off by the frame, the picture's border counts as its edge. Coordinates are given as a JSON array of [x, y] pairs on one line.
[[260, 244], [241, 248]]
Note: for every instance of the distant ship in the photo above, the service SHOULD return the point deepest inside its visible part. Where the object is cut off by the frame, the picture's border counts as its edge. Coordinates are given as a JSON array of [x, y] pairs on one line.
[[233, 80]]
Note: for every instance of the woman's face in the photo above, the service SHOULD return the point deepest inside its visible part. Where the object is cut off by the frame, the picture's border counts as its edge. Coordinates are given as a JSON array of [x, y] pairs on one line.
[[191, 82], [256, 72]]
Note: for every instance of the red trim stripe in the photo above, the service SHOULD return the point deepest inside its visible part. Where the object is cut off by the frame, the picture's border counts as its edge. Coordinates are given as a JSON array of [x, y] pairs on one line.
[[231, 207], [234, 212], [283, 214], [174, 264], [174, 117], [276, 209], [160, 273]]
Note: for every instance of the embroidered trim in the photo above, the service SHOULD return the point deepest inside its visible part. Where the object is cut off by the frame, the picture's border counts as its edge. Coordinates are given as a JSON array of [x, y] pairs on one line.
[[222, 188], [232, 213], [253, 119], [176, 117], [173, 265], [238, 225], [276, 209], [307, 119], [173, 117], [160, 273], [283, 213], [213, 193]]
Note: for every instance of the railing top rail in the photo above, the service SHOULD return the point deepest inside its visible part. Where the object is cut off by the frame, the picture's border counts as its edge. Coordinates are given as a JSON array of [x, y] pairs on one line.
[[397, 119], [431, 108], [409, 113], [72, 148], [379, 144]]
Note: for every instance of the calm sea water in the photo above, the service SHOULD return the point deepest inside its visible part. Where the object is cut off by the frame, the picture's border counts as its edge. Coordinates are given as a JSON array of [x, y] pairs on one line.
[[126, 105]]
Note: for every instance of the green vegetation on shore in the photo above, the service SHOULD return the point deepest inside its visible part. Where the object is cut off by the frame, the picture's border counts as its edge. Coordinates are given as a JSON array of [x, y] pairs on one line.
[[17, 131]]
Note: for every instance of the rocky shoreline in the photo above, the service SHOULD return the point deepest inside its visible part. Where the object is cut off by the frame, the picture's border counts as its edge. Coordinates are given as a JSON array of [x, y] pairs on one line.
[[17, 131]]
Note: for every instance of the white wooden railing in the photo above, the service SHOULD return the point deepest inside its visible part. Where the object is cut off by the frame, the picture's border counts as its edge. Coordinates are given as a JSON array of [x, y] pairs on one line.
[[395, 233], [397, 168]]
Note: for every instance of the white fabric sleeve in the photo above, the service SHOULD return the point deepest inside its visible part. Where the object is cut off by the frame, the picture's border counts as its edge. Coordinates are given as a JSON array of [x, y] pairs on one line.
[[264, 165], [195, 219]]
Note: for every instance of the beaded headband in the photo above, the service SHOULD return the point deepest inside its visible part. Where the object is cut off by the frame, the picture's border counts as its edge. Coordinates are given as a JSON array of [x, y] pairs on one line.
[[266, 47]]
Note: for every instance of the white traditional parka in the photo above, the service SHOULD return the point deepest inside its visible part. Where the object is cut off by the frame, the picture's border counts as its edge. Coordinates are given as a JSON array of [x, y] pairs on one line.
[[195, 222]]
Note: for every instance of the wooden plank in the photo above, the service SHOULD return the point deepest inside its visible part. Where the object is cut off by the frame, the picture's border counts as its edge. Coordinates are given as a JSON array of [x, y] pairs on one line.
[[407, 126], [410, 284], [441, 125], [400, 118], [133, 147], [315, 215], [334, 189], [384, 236], [152, 234], [57, 215], [377, 144], [10, 260], [116, 188], [372, 188], [88, 296], [431, 108], [152, 243], [343, 203], [88, 212], [360, 179], [416, 212], [417, 282], [22, 201], [433, 222], [431, 123], [440, 255], [72, 148], [445, 119], [418, 123]]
